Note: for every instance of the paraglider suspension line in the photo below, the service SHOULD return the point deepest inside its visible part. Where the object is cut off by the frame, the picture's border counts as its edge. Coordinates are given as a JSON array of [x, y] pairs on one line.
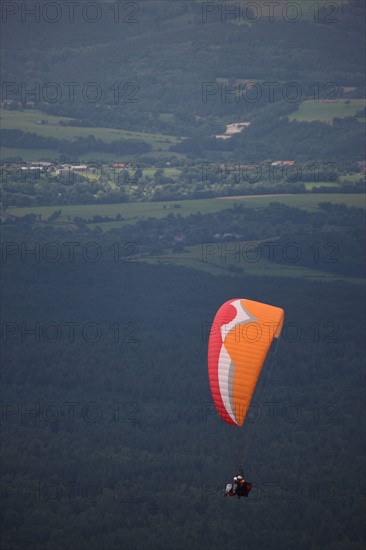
[[251, 429]]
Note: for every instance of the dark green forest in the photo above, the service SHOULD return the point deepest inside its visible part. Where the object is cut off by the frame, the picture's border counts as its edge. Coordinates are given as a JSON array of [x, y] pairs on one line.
[[188, 69], [110, 438]]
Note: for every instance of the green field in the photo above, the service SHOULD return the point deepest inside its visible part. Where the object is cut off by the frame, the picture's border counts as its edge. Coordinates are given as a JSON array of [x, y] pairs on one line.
[[326, 111], [167, 117], [193, 257], [133, 211], [309, 185], [29, 154], [352, 178], [27, 122], [54, 155], [168, 172]]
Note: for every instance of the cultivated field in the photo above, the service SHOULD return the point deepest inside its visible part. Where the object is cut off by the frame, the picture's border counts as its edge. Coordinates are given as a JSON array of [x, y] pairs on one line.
[[133, 211], [29, 154], [195, 257], [26, 121], [326, 111]]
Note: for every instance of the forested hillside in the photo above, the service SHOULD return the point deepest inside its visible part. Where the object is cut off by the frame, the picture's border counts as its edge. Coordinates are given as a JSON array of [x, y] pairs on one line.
[[190, 68], [111, 436], [158, 159]]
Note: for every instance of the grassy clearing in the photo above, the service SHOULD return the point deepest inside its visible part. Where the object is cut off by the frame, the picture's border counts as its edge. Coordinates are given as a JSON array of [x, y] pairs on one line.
[[29, 154], [309, 185], [54, 155], [353, 177], [27, 122], [326, 111], [167, 117], [168, 172], [194, 257], [307, 201], [134, 211]]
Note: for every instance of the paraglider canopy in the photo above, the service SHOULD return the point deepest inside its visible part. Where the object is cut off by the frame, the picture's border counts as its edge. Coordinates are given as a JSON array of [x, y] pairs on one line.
[[241, 335]]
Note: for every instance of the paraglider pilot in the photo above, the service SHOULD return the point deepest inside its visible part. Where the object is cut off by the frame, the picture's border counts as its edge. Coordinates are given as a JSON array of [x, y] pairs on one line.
[[239, 487]]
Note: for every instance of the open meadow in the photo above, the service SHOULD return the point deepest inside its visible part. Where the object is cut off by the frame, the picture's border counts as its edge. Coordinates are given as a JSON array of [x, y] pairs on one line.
[[131, 212], [30, 120], [326, 110], [195, 257]]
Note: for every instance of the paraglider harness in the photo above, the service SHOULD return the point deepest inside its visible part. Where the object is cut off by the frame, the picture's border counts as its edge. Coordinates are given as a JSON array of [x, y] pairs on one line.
[[240, 488], [243, 488]]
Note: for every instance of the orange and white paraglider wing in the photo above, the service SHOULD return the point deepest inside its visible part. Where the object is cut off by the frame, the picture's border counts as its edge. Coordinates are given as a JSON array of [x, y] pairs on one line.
[[241, 335]]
